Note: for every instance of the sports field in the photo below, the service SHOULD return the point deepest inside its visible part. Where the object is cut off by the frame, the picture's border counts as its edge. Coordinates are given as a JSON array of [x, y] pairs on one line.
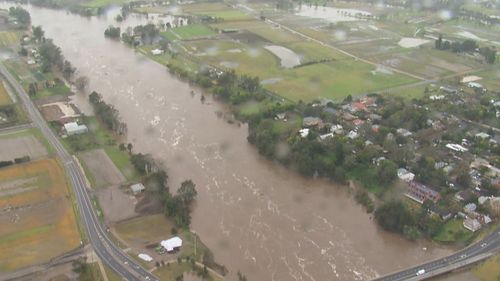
[[38, 221]]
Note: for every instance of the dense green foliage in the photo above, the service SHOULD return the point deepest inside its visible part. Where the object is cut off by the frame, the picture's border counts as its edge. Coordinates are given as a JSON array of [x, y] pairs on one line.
[[112, 32], [107, 114], [22, 16]]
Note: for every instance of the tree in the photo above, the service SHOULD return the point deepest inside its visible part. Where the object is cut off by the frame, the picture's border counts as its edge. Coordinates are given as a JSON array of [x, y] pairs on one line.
[[22, 16], [439, 42], [112, 32], [50, 55], [38, 32], [68, 70], [187, 191], [32, 89], [394, 216], [23, 52], [129, 147], [122, 147], [82, 82]]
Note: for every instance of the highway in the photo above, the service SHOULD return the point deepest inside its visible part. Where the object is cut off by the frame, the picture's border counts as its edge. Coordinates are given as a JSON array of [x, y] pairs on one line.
[[107, 251], [485, 248]]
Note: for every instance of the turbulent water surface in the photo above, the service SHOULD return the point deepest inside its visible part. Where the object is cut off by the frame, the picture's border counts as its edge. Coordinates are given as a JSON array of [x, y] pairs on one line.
[[256, 216]]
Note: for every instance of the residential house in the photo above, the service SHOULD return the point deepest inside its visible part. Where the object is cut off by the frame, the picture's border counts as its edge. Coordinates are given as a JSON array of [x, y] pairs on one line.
[[448, 90], [358, 122], [403, 132], [456, 147], [137, 188], [304, 132], [482, 135], [421, 193], [469, 208], [405, 175], [472, 224], [312, 122], [441, 212], [353, 135], [337, 129]]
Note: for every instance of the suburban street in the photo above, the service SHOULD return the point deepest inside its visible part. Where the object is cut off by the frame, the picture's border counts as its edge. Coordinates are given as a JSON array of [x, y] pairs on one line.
[[483, 249], [107, 251]]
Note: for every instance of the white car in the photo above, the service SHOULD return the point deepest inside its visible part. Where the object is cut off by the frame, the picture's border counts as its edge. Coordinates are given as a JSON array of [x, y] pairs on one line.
[[420, 272]]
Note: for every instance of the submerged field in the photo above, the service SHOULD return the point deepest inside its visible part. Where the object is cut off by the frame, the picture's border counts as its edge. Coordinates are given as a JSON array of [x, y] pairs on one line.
[[38, 221]]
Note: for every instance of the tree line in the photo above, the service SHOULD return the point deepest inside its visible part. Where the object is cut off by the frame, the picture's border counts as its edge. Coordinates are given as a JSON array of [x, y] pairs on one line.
[[466, 46], [175, 206], [107, 113]]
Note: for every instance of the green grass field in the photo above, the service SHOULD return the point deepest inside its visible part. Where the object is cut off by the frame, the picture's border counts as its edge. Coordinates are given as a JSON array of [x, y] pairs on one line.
[[489, 270], [453, 231], [58, 89], [121, 159], [9, 38], [188, 32]]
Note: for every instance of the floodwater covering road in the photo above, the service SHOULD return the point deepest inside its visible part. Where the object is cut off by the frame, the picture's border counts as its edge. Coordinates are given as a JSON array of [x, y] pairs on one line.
[[256, 216]]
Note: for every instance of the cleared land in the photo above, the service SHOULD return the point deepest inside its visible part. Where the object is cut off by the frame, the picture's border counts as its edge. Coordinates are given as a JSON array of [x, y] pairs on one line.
[[218, 10], [4, 96], [21, 144], [9, 38], [103, 171], [103, 3], [37, 217], [139, 233], [489, 270], [188, 32]]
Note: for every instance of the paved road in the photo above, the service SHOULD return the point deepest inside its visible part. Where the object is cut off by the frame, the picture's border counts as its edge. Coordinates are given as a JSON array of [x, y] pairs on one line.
[[109, 253], [482, 249]]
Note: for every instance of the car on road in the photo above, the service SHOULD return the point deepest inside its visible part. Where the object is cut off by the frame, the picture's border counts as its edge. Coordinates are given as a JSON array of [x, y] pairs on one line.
[[420, 272]]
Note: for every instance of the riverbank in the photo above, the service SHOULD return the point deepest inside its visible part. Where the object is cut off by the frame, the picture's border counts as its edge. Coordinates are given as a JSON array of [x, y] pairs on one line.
[[47, 89], [249, 211]]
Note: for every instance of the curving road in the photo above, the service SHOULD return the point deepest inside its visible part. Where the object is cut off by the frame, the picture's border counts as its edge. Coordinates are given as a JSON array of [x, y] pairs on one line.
[[474, 253], [109, 253]]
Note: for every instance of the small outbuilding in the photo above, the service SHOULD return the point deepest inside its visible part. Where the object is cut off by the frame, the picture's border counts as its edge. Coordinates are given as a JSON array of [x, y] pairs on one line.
[[137, 188], [72, 128]]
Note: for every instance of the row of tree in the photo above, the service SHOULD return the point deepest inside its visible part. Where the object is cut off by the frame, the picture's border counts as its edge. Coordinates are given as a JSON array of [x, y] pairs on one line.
[[107, 113], [466, 46], [176, 206]]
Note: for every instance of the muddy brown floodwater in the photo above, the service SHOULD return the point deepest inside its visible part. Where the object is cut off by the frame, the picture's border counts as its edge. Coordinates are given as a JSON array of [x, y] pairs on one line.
[[256, 216]]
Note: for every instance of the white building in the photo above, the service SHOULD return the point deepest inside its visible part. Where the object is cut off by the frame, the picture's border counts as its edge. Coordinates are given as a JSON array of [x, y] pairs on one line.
[[304, 132], [137, 188], [472, 224], [156, 52], [171, 244], [405, 175], [456, 147], [73, 128]]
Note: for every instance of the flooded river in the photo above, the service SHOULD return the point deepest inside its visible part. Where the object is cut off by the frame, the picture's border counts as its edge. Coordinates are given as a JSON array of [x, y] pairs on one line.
[[256, 216]]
